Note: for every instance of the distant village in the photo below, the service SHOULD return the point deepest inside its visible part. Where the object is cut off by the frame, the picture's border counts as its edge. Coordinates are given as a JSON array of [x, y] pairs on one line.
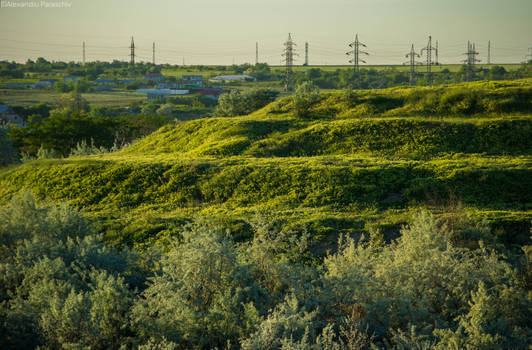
[[156, 87]]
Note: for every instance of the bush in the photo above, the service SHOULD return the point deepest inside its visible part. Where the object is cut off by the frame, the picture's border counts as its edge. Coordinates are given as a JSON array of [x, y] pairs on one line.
[[305, 96], [236, 103]]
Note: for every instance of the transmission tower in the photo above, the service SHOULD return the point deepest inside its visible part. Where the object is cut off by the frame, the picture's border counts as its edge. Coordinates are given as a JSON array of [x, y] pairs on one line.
[[470, 61], [306, 54], [83, 53], [256, 53], [132, 61], [412, 62], [356, 54], [429, 50], [153, 59], [289, 48]]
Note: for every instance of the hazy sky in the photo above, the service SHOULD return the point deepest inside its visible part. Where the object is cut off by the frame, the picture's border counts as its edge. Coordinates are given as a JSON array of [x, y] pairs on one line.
[[225, 31]]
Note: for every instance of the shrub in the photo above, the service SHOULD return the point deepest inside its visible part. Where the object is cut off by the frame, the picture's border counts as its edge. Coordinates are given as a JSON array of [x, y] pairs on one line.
[[305, 96]]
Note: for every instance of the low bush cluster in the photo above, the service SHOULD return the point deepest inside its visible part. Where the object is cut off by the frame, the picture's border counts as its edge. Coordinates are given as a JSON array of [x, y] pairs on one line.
[[61, 287]]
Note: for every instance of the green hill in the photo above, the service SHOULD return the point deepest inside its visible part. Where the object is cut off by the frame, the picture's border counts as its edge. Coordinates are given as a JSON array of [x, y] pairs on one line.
[[360, 160]]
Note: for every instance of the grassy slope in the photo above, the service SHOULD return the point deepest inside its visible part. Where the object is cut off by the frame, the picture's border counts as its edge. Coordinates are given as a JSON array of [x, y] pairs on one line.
[[344, 169]]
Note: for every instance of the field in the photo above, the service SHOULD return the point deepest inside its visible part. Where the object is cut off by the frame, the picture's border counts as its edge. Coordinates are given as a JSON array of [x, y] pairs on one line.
[[26, 97], [358, 161], [212, 70]]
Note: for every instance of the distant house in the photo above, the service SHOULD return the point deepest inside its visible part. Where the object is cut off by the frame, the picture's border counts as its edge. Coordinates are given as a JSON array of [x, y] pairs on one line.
[[126, 81], [192, 81], [71, 78], [161, 94], [230, 78], [8, 116], [213, 93], [155, 77], [44, 84]]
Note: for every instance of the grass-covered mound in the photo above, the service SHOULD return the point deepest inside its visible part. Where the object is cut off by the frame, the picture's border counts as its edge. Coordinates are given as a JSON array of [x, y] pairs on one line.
[[338, 169]]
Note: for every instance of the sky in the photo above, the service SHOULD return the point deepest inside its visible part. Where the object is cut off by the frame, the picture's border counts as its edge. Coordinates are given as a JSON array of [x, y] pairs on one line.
[[226, 31]]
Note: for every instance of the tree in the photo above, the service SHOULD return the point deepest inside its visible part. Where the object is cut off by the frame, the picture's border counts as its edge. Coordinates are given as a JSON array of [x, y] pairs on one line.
[[8, 153], [231, 104], [305, 96]]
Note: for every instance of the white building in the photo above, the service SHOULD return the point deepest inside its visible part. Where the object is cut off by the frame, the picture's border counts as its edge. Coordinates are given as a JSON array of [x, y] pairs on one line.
[[230, 78]]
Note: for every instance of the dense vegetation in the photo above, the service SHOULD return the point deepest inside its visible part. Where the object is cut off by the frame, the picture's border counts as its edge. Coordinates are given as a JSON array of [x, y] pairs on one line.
[[395, 218], [442, 285]]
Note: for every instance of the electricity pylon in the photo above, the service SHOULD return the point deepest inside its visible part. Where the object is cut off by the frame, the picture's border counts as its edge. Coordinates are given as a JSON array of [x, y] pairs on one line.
[[289, 53], [429, 50], [83, 53], [470, 61], [153, 58], [132, 61], [356, 54], [412, 62], [256, 53]]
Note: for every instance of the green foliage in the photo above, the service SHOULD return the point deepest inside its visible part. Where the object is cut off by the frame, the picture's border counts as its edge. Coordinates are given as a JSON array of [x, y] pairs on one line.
[[84, 149], [60, 287], [231, 104], [203, 297], [236, 103], [305, 96], [8, 153], [61, 132]]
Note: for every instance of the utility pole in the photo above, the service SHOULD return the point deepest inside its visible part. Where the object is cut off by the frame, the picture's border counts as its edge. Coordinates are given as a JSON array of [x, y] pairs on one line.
[[489, 51], [470, 61], [437, 52], [429, 50], [83, 53], [153, 59], [412, 55], [289, 47], [306, 54], [132, 61], [256, 53]]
